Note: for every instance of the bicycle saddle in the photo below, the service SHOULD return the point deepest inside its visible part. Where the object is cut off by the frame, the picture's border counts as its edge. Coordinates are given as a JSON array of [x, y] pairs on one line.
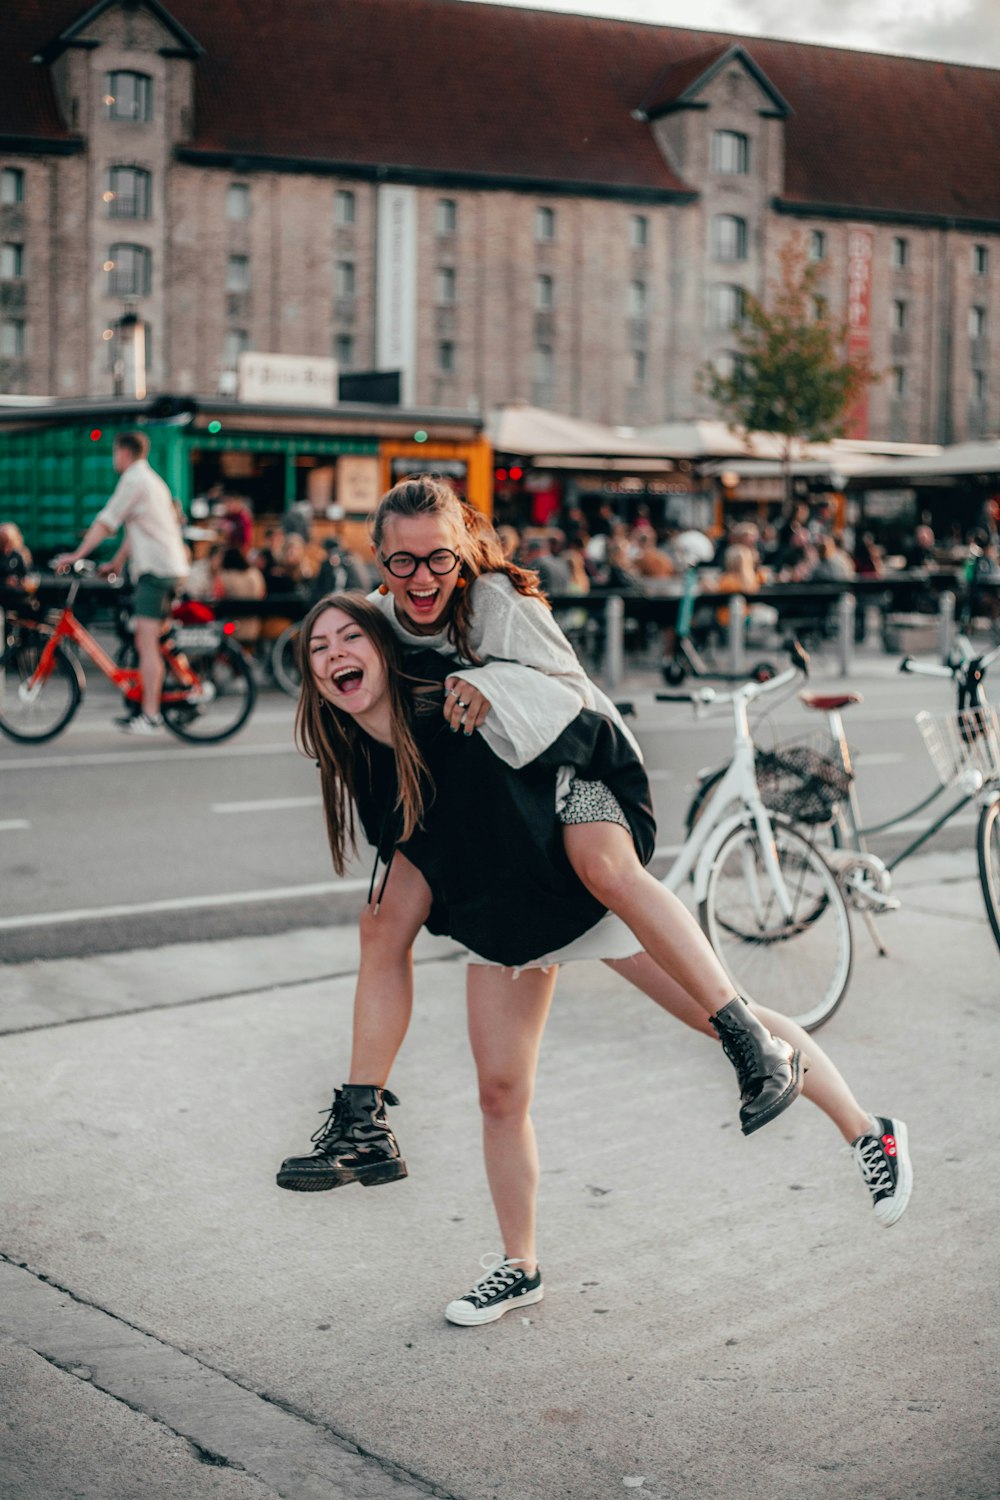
[[827, 702]]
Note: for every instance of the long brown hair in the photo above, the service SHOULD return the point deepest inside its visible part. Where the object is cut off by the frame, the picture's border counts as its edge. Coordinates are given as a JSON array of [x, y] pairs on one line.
[[335, 741], [476, 542]]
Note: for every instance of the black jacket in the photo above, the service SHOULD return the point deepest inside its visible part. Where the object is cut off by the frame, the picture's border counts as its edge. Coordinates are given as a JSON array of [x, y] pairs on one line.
[[491, 845]]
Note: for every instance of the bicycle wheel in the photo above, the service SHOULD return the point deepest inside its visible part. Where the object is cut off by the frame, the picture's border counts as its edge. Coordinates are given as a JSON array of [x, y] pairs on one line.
[[285, 661], [36, 709], [220, 704], [988, 850], [799, 966]]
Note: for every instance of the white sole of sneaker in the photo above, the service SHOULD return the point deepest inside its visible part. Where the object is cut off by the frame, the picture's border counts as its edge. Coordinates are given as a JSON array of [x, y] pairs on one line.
[[889, 1211], [466, 1316]]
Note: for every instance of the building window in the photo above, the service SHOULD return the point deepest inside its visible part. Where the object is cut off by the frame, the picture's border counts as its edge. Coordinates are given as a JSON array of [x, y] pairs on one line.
[[817, 245], [980, 260], [343, 278], [11, 262], [545, 225], [729, 238], [129, 96], [345, 207], [237, 201], [544, 363], [979, 385], [725, 306], [128, 193], [730, 153], [638, 367], [129, 270], [237, 342], [444, 286], [343, 350], [639, 232], [238, 273], [977, 322], [897, 315], [544, 294], [446, 356], [11, 338], [446, 216], [900, 253], [11, 185], [637, 299], [898, 381]]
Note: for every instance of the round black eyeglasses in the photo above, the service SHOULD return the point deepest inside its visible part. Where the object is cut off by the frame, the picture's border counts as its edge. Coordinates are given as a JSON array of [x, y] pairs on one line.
[[405, 564]]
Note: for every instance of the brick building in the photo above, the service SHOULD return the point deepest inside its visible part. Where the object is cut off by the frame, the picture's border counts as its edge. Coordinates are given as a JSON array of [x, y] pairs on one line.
[[500, 203]]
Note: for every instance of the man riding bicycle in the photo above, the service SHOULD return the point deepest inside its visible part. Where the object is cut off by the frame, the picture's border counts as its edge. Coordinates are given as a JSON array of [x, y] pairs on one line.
[[141, 503]]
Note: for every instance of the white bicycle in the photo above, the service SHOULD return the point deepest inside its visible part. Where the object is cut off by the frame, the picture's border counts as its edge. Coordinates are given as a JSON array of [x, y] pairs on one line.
[[769, 903]]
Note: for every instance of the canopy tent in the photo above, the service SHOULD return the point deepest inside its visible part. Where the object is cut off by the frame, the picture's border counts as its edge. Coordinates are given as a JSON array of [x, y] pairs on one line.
[[539, 436], [956, 461]]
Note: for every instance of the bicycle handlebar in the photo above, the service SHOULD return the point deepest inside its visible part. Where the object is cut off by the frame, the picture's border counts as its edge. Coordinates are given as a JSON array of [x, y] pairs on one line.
[[909, 664]]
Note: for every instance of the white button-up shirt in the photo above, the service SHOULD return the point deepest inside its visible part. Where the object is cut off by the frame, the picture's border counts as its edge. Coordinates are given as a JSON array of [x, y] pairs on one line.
[[142, 503]]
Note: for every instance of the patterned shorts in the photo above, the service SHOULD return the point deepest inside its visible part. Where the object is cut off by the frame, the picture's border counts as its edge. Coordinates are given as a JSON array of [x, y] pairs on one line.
[[591, 802]]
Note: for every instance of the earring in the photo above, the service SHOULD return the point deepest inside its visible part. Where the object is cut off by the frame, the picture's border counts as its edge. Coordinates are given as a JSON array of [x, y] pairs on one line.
[[462, 583], [383, 588]]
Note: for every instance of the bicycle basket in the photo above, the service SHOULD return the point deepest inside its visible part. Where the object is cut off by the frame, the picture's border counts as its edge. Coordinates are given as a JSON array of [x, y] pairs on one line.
[[966, 741], [801, 783]]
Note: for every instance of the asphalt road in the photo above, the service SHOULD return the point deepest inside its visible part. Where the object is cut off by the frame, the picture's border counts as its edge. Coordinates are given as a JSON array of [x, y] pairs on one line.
[[108, 843]]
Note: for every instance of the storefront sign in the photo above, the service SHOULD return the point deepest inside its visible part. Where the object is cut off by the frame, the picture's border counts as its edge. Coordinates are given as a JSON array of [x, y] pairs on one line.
[[396, 286], [287, 380], [860, 253], [357, 484]]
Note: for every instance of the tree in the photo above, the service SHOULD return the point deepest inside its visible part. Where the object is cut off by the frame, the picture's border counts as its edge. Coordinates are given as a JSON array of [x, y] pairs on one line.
[[791, 376]]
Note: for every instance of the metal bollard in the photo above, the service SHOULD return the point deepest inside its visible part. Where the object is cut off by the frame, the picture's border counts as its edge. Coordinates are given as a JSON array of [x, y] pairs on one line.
[[737, 634], [614, 641], [946, 623], [847, 607]]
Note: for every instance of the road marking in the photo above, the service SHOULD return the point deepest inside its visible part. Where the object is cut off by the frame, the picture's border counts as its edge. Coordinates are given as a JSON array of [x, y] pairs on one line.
[[141, 756], [179, 903], [10, 823], [272, 804]]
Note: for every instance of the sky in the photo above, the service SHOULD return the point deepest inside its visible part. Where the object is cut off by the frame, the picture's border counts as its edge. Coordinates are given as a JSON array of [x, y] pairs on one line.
[[952, 30]]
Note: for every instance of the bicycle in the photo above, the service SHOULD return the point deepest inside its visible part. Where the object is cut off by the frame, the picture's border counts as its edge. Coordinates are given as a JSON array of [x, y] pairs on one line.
[[208, 688], [686, 660], [771, 906], [964, 748]]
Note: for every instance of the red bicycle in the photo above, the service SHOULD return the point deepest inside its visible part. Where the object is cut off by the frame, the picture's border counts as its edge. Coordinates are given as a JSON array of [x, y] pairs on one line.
[[208, 688]]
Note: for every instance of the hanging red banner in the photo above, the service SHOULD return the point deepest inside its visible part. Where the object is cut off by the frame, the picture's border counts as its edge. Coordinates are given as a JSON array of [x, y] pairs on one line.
[[860, 253]]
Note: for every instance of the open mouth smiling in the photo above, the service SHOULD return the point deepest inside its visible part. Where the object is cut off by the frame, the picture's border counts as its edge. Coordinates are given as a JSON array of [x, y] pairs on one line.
[[347, 679], [423, 599]]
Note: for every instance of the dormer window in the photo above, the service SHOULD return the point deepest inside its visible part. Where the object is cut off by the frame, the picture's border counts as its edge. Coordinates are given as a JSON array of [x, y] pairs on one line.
[[129, 96], [730, 153]]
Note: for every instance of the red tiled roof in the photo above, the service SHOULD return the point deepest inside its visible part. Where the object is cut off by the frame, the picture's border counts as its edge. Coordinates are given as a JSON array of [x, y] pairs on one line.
[[484, 90]]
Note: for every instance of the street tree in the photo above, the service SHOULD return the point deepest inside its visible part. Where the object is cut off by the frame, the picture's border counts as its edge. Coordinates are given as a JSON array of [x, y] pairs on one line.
[[791, 376]]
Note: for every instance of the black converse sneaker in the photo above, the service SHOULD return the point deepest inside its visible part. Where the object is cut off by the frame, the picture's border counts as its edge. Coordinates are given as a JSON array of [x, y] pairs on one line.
[[884, 1163], [504, 1286]]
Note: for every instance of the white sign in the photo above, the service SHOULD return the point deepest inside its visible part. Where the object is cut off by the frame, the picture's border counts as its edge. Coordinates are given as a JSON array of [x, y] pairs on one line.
[[287, 380], [396, 287]]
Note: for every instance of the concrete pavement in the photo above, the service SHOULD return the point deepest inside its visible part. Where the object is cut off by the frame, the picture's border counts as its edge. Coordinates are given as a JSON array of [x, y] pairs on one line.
[[723, 1317]]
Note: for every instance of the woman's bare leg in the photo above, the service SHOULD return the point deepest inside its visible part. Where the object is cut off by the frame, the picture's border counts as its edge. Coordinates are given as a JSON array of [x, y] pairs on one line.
[[507, 1017], [604, 858], [383, 997], [823, 1083]]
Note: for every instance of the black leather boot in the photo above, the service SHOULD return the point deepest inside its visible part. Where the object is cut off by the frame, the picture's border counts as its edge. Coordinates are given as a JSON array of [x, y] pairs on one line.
[[354, 1144], [769, 1070]]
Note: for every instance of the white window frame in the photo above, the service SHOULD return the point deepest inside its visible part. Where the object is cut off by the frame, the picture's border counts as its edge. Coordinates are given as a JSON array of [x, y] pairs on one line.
[[545, 224], [13, 338], [140, 258], [11, 261], [238, 195], [11, 186], [238, 273], [730, 153], [729, 239], [345, 208], [446, 216], [140, 111], [720, 293], [638, 232], [445, 286]]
